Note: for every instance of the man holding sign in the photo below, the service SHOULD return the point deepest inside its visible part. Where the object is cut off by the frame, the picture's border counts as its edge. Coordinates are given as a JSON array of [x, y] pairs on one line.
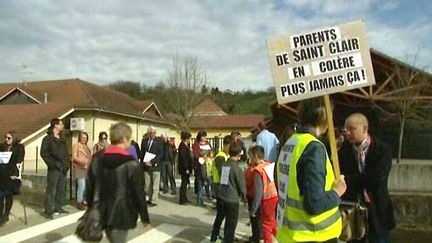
[[306, 65], [309, 195]]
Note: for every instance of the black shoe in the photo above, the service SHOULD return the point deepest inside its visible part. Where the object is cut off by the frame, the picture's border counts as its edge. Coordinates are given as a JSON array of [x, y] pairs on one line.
[[151, 204], [61, 211], [213, 237], [48, 215], [173, 193], [5, 218]]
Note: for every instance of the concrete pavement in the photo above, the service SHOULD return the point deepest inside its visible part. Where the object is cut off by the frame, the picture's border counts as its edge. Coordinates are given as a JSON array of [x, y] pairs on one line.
[[170, 222]]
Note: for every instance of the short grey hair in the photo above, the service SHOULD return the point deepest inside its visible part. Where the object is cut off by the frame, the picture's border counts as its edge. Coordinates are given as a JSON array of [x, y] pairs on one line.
[[119, 131], [151, 129]]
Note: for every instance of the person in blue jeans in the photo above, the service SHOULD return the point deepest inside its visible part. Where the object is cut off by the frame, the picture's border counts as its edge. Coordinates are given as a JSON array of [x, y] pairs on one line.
[[81, 157]]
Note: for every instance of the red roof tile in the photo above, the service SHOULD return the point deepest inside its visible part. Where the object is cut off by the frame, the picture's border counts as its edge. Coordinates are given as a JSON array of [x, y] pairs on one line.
[[208, 107], [29, 118], [227, 121]]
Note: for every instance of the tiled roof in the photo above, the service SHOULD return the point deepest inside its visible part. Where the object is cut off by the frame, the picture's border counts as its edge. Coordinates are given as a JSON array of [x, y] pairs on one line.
[[77, 93], [143, 104], [227, 121], [29, 118], [208, 107], [63, 95]]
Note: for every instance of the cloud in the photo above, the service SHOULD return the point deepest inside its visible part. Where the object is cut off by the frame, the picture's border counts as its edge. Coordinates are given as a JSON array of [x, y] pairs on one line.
[[136, 40]]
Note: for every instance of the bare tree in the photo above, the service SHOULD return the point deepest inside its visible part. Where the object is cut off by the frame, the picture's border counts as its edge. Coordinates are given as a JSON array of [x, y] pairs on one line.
[[131, 88], [407, 102], [184, 81]]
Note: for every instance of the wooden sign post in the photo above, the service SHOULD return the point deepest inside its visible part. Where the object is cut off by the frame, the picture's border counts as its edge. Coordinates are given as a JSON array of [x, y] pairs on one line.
[[319, 63], [331, 135]]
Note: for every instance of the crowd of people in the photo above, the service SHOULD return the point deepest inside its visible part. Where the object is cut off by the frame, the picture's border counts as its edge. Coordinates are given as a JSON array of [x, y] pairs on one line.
[[291, 190]]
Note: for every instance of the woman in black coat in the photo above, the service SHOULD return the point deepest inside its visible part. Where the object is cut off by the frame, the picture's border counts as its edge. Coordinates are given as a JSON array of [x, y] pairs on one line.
[[184, 164], [10, 179]]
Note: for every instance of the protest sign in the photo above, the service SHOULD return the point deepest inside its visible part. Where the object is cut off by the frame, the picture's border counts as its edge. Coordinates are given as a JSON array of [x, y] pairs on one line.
[[320, 62]]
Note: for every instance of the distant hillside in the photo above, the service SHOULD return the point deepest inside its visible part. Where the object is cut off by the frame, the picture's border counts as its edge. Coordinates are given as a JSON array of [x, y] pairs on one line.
[[253, 103], [244, 102]]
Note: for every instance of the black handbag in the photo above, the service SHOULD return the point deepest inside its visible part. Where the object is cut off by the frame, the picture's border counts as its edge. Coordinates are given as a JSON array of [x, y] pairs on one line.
[[354, 221], [89, 228]]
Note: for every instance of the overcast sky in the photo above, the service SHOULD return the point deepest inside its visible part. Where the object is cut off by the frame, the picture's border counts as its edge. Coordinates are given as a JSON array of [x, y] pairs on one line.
[[105, 41]]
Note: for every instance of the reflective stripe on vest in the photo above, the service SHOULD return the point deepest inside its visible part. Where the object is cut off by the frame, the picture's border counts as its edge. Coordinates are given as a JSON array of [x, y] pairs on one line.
[[215, 172], [269, 187], [294, 225], [297, 224]]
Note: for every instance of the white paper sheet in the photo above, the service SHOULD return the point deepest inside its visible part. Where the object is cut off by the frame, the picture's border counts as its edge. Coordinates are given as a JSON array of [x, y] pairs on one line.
[[5, 157], [205, 147], [224, 180], [269, 170], [148, 157]]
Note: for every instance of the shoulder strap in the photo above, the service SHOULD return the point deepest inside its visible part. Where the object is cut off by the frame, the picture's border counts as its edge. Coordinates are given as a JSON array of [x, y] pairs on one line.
[[97, 174]]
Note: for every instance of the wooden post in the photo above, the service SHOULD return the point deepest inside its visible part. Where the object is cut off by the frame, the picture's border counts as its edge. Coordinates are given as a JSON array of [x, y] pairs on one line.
[[331, 135], [37, 158]]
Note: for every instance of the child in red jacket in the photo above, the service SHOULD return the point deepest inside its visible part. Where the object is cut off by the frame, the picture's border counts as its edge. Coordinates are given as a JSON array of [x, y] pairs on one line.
[[266, 197]]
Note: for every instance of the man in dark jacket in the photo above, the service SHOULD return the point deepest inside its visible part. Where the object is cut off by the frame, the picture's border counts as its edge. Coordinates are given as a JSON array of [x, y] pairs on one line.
[[121, 198], [366, 162], [152, 168], [55, 154]]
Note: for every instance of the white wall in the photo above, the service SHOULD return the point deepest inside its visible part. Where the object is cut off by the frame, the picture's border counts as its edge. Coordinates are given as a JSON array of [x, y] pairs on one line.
[[95, 122]]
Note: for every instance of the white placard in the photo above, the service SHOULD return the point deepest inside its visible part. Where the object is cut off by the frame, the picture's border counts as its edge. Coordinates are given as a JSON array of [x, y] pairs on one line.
[[320, 62], [269, 170], [148, 157], [5, 157], [283, 177], [225, 175]]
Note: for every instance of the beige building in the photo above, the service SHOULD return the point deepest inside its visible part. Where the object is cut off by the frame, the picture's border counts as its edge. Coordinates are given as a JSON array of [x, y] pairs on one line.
[[27, 108], [210, 117]]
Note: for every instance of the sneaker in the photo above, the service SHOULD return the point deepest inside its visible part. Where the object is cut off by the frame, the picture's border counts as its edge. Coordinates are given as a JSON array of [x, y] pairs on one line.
[[173, 193], [61, 211]]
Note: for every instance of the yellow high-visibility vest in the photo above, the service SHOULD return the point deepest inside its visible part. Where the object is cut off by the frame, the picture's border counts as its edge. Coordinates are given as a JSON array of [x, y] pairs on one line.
[[215, 171], [294, 223]]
